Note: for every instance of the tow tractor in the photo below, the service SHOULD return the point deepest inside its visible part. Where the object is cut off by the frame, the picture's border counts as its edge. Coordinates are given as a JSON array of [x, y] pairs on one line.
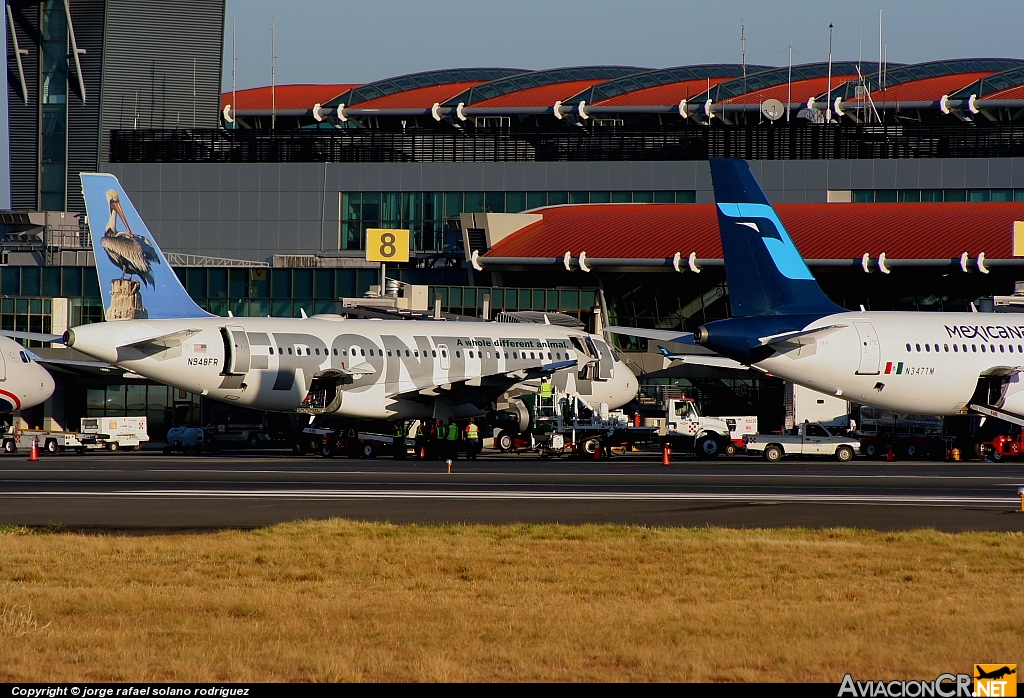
[[567, 424], [50, 441]]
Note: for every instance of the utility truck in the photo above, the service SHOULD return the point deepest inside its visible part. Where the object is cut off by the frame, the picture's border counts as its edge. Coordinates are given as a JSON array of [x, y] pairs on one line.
[[689, 432], [807, 439]]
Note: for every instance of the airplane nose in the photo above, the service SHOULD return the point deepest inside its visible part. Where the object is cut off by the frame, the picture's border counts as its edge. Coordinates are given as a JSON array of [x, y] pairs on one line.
[[46, 384]]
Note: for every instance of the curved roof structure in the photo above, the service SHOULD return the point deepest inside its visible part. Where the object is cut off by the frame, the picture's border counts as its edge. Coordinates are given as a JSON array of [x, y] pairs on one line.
[[377, 92], [900, 230], [1008, 84], [609, 89], [286, 97], [926, 81], [660, 87], [540, 88]]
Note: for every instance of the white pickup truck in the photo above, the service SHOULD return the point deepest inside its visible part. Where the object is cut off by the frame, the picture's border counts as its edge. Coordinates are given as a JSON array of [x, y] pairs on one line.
[[807, 439]]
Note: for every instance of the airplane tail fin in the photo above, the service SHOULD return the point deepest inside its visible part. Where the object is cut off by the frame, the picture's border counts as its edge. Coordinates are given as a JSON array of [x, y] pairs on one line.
[[765, 272], [136, 282]]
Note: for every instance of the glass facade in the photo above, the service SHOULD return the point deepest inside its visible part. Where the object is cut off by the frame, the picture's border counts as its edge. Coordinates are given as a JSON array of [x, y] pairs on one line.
[[469, 300], [54, 98], [163, 406], [423, 213], [934, 195]]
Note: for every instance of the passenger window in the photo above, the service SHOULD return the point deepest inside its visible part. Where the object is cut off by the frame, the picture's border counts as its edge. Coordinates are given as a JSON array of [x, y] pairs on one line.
[[433, 352], [515, 355], [965, 348], [1000, 348], [945, 347], [289, 351], [974, 348], [531, 355], [310, 353], [918, 347], [982, 348], [927, 348], [458, 355], [406, 352], [954, 348], [1010, 347], [362, 352], [908, 347], [471, 355], [335, 352]]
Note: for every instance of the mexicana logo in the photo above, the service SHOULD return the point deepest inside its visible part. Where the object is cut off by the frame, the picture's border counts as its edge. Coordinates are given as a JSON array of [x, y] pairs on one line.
[[782, 250]]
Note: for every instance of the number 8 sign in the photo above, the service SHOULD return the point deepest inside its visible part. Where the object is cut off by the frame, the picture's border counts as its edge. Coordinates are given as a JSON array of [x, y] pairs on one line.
[[387, 245]]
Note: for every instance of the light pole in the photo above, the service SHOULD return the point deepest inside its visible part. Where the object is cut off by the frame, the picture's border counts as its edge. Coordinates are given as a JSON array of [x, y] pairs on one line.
[[828, 98]]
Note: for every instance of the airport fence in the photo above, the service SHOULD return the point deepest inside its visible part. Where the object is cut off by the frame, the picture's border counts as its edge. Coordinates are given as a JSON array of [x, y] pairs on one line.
[[689, 142]]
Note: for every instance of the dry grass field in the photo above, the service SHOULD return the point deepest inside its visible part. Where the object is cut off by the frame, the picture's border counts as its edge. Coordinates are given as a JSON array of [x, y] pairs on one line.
[[339, 601]]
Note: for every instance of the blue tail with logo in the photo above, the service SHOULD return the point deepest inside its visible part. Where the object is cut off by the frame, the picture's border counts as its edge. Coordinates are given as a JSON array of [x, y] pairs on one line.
[[765, 272], [136, 282]]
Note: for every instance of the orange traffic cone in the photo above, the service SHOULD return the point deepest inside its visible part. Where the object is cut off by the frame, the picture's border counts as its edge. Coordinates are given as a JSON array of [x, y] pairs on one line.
[[597, 450], [666, 454], [34, 453], [889, 455]]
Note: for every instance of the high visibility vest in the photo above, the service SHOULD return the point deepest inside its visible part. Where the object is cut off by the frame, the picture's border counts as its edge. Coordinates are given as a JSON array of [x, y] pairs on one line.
[[472, 432], [546, 390], [453, 431], [400, 431]]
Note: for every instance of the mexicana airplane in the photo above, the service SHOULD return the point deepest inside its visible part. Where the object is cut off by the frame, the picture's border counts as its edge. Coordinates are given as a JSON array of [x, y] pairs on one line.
[[320, 365], [783, 324]]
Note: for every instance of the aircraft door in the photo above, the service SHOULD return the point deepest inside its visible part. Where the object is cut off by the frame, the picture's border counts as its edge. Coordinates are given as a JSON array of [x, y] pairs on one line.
[[238, 355], [3, 367], [601, 368], [446, 361], [870, 354]]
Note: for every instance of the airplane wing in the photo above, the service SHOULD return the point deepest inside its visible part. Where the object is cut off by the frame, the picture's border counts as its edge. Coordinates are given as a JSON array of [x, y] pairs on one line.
[[165, 346], [661, 335], [363, 369], [35, 336], [801, 337], [70, 362], [704, 360]]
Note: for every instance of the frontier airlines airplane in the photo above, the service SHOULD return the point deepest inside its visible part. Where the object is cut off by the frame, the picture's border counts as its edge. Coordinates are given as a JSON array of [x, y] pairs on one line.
[[325, 364], [782, 323]]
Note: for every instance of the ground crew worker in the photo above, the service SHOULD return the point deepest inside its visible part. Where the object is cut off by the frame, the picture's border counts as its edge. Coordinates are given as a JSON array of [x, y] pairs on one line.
[[421, 440], [547, 392], [436, 439], [472, 440], [452, 439], [398, 440]]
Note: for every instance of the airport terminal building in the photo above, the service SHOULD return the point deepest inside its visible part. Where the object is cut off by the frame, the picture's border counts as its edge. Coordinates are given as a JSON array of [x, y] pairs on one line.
[[582, 190]]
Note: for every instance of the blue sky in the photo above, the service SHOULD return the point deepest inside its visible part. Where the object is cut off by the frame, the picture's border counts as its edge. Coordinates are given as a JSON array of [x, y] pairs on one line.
[[324, 41]]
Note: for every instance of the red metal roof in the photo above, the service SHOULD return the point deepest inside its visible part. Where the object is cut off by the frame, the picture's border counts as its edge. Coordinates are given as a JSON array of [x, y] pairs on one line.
[[287, 97], [802, 90], [420, 98], [820, 231], [662, 94], [542, 96], [927, 89]]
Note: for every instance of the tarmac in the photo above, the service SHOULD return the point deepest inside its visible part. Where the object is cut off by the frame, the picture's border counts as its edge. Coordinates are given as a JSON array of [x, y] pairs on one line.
[[152, 492]]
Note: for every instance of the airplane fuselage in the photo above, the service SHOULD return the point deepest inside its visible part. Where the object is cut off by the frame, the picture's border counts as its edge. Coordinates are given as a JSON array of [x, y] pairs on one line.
[[394, 368], [928, 363]]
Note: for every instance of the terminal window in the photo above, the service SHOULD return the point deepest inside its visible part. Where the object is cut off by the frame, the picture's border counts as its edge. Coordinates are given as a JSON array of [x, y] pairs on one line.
[[424, 212]]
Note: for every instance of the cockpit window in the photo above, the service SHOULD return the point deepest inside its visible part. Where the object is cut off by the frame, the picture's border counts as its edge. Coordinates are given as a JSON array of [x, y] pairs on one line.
[[24, 357], [615, 355]]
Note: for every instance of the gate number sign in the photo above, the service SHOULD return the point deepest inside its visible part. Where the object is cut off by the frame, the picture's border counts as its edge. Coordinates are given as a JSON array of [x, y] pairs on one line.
[[387, 245]]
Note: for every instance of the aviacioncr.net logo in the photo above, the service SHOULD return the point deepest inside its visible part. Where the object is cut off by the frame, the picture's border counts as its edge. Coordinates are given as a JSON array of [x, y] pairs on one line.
[[943, 686]]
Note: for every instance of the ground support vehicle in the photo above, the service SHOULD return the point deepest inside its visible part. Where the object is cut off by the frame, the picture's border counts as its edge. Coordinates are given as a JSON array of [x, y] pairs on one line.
[[689, 432], [244, 428], [356, 444], [904, 435], [804, 440], [185, 439], [115, 433], [49, 441], [1002, 447], [570, 426]]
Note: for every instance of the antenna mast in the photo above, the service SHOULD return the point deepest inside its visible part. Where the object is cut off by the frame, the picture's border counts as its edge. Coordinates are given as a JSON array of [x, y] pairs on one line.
[[743, 57], [789, 80], [234, 67], [273, 75], [828, 99]]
